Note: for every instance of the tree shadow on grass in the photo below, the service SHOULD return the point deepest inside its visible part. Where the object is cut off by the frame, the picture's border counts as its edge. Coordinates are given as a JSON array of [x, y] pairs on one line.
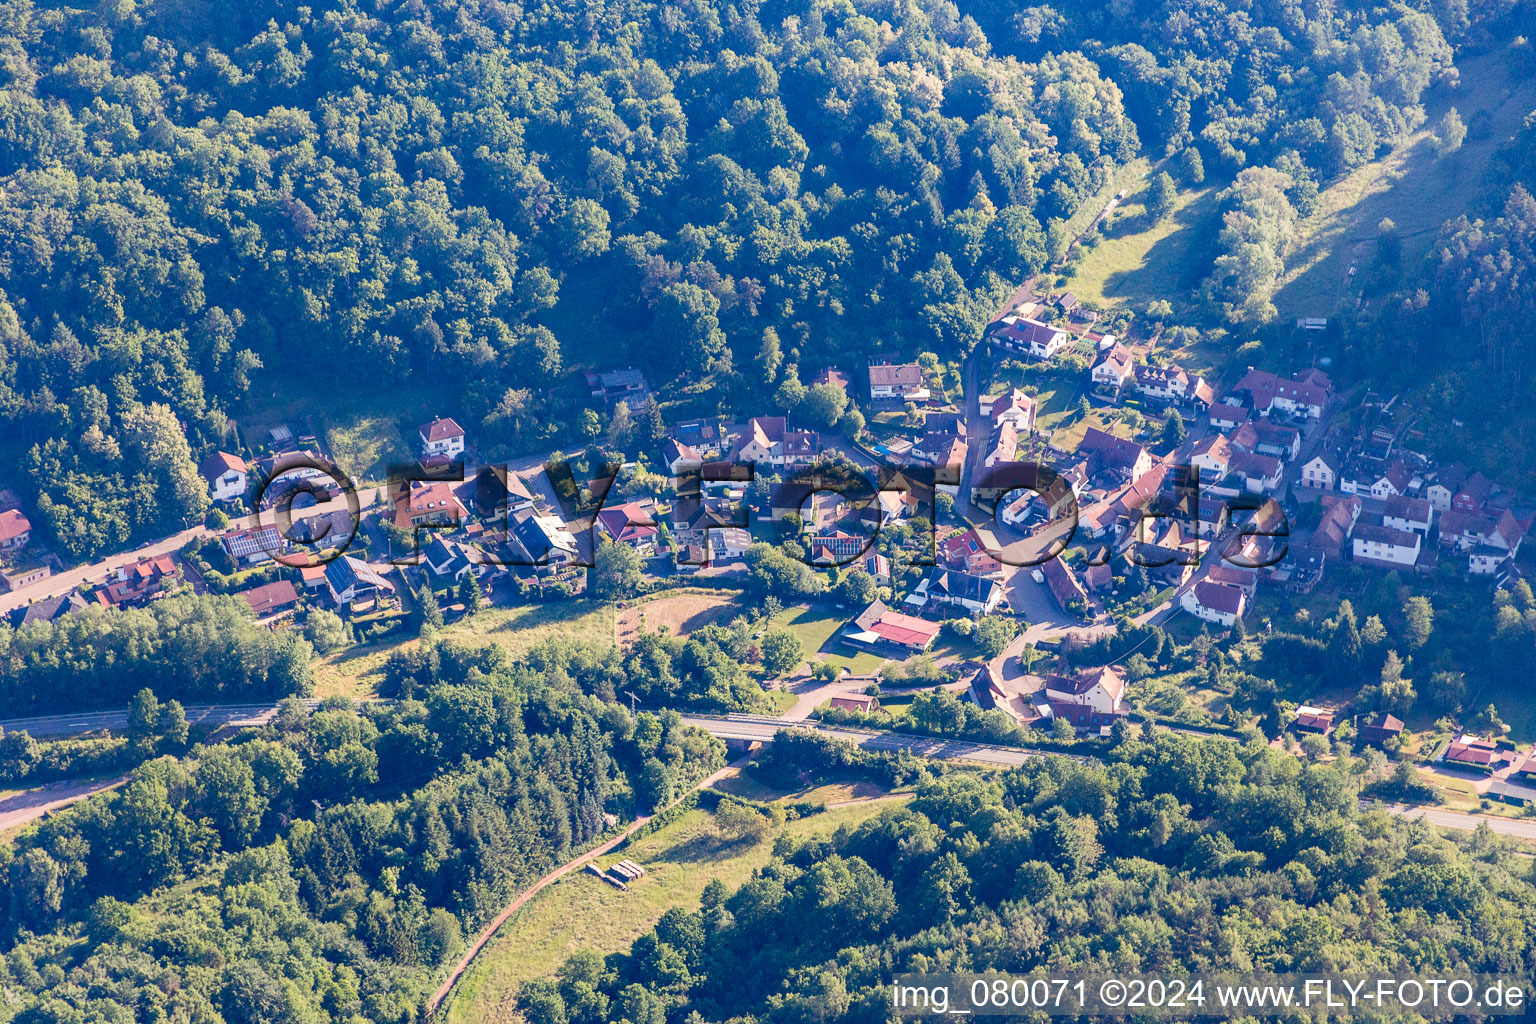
[[1175, 264], [705, 848]]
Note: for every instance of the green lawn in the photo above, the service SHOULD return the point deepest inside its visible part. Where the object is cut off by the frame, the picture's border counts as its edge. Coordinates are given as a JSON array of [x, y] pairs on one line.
[[580, 912], [817, 629], [1137, 261]]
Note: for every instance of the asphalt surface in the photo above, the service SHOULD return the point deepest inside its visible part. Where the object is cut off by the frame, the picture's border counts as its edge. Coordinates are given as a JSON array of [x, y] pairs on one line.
[[763, 729], [237, 715]]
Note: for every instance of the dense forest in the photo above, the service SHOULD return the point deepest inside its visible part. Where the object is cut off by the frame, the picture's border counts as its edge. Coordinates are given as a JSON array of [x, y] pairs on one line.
[[471, 197], [1178, 856], [196, 649], [323, 868]]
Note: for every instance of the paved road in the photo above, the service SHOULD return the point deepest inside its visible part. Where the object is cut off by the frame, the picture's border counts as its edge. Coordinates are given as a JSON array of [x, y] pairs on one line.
[[238, 715], [763, 729], [1520, 828], [34, 803]]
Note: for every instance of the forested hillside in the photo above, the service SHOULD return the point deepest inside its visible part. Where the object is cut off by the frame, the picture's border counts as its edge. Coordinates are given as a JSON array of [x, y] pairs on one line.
[[1181, 856], [195, 190], [324, 868], [471, 196]]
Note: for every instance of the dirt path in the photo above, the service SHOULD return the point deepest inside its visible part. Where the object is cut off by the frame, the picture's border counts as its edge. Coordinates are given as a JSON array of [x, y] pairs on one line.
[[489, 931], [33, 804]]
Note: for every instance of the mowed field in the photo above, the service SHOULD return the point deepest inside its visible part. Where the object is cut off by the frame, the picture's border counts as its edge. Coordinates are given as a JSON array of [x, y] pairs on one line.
[[580, 912], [679, 612], [1135, 261]]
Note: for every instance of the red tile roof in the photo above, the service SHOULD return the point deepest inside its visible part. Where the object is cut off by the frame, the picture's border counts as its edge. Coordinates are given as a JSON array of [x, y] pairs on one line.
[[13, 524]]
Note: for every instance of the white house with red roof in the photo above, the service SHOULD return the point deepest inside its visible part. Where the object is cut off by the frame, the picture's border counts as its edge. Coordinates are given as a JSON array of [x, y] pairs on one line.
[[441, 437], [225, 475], [1113, 368], [1101, 690], [428, 503], [15, 530], [1012, 406], [902, 382]]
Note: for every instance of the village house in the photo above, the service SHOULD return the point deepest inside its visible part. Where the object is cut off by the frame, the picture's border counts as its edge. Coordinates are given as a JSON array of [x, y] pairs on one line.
[[1312, 721], [837, 547], [879, 629], [1023, 336], [703, 435], [542, 541], [250, 546], [1337, 525], [1305, 395], [897, 382], [1092, 698], [441, 437], [1169, 385], [136, 583], [989, 692], [428, 503], [48, 609], [1004, 446], [1403, 513], [611, 387], [967, 552], [1244, 579], [1465, 531], [352, 582], [631, 524], [1474, 752], [1304, 568], [1382, 545], [1379, 478], [1065, 589], [728, 544], [1226, 416], [498, 491], [977, 595], [1113, 368], [15, 530], [1473, 494], [1379, 728], [694, 518], [1261, 437], [769, 439], [860, 702], [1122, 459], [677, 456], [1321, 471], [271, 598], [1214, 602], [831, 375], [1453, 488], [225, 475], [1012, 406], [1254, 474]]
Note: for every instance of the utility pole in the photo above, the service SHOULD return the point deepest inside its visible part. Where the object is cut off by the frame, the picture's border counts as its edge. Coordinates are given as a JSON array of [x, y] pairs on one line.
[[632, 701]]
